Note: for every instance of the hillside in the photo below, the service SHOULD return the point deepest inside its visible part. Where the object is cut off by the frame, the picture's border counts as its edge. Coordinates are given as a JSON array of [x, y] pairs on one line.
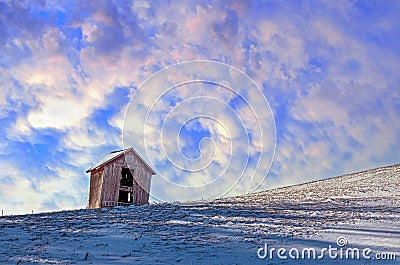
[[361, 209]]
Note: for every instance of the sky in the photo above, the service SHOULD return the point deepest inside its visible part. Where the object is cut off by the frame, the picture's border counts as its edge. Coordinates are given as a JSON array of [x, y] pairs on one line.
[[287, 91]]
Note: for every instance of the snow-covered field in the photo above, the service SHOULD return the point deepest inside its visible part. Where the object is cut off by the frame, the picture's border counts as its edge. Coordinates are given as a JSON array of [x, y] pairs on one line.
[[361, 209]]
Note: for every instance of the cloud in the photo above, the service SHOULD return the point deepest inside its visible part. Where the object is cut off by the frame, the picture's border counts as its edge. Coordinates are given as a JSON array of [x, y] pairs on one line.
[[227, 29], [169, 119], [64, 192]]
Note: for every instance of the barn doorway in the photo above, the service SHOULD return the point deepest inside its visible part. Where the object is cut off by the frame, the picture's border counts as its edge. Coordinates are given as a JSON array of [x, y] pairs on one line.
[[126, 187]]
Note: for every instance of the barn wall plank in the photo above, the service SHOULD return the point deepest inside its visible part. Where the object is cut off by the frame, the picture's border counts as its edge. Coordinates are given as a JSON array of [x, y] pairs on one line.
[[96, 184]]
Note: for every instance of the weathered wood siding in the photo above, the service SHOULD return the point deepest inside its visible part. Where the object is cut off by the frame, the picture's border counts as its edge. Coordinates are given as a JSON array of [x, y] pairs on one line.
[[96, 184], [105, 182], [112, 175], [142, 179]]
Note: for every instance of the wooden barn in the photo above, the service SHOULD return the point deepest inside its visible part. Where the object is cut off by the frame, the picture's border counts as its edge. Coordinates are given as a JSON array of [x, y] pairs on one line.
[[120, 178]]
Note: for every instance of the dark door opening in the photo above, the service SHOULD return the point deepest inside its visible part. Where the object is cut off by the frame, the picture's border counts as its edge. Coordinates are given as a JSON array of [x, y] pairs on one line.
[[126, 178], [126, 186], [125, 196]]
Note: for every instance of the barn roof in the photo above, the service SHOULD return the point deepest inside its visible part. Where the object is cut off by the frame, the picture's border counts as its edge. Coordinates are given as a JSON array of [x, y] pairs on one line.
[[115, 154]]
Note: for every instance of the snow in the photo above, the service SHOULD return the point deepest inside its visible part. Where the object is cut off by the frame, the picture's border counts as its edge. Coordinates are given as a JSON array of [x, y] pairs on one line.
[[364, 208]]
